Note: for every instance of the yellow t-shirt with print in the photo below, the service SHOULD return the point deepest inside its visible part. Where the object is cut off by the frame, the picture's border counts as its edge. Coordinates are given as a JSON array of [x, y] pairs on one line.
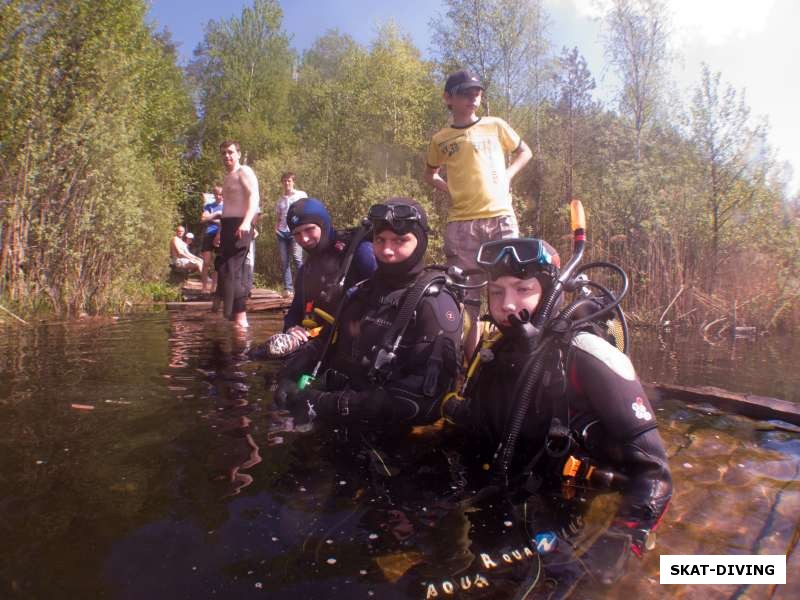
[[475, 158]]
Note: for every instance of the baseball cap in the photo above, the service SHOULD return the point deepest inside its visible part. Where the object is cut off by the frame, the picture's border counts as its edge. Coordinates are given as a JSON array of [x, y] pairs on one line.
[[460, 81], [190, 236]]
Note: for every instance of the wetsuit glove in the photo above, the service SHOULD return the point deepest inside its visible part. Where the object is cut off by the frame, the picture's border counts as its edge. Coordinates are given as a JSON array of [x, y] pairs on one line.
[[284, 389], [302, 404], [456, 410]]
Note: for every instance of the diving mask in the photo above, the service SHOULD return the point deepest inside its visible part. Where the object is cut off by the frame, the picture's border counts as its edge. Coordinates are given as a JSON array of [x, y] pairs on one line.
[[400, 217]]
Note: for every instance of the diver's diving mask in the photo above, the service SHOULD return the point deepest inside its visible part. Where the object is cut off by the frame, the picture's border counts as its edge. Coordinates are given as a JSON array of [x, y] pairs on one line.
[[400, 217], [523, 250], [519, 257]]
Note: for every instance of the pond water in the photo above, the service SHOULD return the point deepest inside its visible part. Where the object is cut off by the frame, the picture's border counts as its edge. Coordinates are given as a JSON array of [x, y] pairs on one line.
[[182, 481]]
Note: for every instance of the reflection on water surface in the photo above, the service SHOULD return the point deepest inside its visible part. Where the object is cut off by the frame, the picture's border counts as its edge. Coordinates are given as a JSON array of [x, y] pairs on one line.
[[183, 482]]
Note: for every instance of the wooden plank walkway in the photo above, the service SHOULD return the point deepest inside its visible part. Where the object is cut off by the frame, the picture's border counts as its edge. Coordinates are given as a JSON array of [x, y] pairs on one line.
[[261, 299]]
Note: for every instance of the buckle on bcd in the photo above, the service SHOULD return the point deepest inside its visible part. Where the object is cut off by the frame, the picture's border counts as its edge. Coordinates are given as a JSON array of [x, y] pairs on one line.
[[383, 358]]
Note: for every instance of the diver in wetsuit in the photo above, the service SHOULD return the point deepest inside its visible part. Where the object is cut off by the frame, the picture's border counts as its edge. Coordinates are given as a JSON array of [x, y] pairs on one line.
[[336, 260], [318, 280], [395, 346], [588, 425]]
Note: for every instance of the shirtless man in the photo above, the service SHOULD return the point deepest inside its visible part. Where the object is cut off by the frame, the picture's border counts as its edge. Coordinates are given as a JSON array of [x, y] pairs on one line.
[[240, 190], [181, 258]]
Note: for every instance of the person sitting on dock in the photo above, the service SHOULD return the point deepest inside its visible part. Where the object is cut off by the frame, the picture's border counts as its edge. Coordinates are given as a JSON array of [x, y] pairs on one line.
[[553, 409], [180, 257]]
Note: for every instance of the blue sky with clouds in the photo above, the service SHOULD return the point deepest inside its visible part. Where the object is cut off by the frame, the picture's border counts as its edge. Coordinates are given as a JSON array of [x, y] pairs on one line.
[[753, 43]]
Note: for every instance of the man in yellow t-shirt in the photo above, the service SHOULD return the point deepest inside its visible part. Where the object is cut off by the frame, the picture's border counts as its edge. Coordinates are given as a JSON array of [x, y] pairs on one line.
[[473, 151]]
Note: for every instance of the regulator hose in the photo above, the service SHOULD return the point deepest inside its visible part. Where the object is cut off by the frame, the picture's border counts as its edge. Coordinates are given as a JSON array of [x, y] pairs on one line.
[[523, 391], [534, 366]]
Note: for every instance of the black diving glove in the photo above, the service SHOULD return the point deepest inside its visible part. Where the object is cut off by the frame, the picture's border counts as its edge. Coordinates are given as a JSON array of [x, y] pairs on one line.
[[299, 403], [302, 404], [523, 332], [285, 388], [456, 410], [345, 406]]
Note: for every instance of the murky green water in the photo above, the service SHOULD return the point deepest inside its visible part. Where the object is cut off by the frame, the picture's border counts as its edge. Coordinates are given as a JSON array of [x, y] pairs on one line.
[[182, 482], [766, 366]]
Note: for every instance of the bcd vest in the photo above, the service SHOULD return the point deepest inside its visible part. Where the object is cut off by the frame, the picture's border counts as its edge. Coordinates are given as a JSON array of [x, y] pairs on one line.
[[321, 273]]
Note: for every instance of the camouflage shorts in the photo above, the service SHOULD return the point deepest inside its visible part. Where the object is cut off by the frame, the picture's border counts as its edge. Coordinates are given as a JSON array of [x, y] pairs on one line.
[[463, 238]]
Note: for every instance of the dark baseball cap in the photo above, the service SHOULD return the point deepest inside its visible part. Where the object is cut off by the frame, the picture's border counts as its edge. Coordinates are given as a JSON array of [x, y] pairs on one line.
[[460, 81]]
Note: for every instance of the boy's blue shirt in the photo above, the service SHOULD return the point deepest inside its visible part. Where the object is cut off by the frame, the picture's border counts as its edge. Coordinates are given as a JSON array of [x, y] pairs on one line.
[[213, 226]]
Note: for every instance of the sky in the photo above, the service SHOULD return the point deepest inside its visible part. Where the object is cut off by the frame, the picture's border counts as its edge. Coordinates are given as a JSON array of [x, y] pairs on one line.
[[752, 43]]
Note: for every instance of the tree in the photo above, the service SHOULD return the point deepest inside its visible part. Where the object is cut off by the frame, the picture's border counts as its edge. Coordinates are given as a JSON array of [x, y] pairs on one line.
[[502, 41], [92, 153], [730, 149], [243, 74], [574, 84], [362, 114], [637, 46]]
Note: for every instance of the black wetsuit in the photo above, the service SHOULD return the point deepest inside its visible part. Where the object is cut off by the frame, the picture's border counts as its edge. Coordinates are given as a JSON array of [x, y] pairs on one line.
[[592, 389], [235, 279], [408, 392], [317, 282]]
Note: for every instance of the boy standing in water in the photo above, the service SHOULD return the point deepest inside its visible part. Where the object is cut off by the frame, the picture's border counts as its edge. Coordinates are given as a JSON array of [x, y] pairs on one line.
[[240, 190], [473, 150]]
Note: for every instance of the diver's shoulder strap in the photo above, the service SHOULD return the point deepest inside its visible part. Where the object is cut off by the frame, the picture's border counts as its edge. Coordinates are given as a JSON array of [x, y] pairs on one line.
[[408, 305], [352, 238], [414, 294]]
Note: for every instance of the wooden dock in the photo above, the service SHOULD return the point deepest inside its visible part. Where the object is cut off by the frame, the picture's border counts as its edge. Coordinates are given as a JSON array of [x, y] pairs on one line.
[[748, 405], [260, 299]]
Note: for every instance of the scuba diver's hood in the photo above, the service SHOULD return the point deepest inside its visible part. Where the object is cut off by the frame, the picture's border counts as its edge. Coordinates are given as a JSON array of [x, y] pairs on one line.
[[311, 210], [397, 275], [546, 274]]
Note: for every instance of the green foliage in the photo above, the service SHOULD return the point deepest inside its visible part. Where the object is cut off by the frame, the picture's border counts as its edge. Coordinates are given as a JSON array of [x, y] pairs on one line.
[[96, 122], [149, 291], [92, 147], [243, 73]]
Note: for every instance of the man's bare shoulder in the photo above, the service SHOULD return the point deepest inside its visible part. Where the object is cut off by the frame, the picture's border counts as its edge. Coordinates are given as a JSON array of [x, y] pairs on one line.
[[245, 171]]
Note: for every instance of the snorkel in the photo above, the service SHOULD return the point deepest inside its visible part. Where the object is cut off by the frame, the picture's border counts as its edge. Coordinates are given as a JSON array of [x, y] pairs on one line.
[[578, 224]]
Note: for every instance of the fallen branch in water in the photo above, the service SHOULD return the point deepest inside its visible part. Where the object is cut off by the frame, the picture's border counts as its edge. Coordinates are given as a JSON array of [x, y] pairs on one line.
[[666, 310], [4, 309], [705, 329]]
